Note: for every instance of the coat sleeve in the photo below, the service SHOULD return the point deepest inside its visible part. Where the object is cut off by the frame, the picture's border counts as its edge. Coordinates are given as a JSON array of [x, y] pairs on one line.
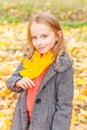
[[10, 83], [64, 105]]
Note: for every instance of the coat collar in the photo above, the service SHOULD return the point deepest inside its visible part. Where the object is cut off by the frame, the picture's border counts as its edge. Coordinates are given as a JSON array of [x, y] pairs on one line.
[[64, 63]]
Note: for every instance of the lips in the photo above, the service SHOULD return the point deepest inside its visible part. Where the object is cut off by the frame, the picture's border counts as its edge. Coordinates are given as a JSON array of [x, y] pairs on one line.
[[41, 48]]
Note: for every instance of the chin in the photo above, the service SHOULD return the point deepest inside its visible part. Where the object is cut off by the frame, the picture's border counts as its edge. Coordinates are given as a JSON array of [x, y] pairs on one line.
[[43, 52]]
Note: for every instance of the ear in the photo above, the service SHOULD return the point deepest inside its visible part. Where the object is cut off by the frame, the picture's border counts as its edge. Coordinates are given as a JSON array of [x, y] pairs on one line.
[[59, 33]]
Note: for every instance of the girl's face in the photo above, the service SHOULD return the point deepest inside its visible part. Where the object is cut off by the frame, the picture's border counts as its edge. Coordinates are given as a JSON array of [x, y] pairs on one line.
[[43, 37]]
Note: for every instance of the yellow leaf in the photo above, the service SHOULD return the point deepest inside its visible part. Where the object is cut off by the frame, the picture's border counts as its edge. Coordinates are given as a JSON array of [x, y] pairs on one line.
[[35, 66], [84, 91], [2, 114], [83, 113], [5, 92], [82, 98], [7, 123], [11, 95], [74, 116], [80, 81]]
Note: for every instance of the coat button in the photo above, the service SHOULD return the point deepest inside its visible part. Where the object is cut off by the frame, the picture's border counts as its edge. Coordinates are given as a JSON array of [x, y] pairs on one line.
[[38, 100]]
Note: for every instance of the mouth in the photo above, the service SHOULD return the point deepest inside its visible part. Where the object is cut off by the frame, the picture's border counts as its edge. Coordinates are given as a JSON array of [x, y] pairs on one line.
[[41, 48]]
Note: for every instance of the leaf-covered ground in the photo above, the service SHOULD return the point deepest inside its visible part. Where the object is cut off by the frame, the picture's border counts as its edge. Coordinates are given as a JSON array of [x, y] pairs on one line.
[[12, 38]]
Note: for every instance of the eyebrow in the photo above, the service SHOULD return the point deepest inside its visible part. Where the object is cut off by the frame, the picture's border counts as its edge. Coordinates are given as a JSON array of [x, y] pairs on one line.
[[40, 34], [44, 34]]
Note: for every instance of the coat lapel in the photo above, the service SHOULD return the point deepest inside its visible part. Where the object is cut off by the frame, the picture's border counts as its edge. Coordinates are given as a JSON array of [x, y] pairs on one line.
[[48, 75]]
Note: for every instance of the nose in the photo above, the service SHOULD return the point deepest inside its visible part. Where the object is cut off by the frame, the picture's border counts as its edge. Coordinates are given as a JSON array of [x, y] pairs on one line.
[[38, 41]]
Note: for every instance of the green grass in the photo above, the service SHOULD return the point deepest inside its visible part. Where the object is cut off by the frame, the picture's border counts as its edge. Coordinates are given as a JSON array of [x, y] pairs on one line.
[[72, 13], [74, 24]]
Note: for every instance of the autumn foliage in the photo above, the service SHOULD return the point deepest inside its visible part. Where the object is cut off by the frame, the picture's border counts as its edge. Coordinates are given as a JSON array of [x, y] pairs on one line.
[[12, 38]]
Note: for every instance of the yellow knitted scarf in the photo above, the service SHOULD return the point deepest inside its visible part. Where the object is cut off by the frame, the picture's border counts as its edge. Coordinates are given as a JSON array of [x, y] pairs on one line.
[[33, 68]]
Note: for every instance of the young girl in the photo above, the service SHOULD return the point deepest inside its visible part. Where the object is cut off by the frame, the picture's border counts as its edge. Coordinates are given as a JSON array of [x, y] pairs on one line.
[[44, 78]]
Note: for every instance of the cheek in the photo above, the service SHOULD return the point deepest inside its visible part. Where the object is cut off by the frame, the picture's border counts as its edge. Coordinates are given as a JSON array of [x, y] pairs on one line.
[[52, 40], [49, 40], [34, 43]]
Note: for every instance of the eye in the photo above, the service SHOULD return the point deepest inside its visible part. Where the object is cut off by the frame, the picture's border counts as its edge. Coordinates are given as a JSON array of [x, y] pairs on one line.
[[34, 37], [44, 36]]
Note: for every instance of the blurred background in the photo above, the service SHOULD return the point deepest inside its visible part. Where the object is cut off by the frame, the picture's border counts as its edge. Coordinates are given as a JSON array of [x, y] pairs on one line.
[[14, 17]]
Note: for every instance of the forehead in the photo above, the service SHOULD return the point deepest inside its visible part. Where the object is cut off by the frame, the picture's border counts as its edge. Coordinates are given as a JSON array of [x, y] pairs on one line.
[[39, 28]]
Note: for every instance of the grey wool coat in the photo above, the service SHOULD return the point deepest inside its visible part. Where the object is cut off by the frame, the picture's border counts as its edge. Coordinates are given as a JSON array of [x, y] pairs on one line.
[[53, 104]]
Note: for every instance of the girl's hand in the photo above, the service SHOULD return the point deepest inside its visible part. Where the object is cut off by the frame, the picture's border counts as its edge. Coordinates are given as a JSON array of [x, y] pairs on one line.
[[25, 83]]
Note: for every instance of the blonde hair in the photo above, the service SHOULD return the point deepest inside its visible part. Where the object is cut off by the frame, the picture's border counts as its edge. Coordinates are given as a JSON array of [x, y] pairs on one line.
[[50, 20]]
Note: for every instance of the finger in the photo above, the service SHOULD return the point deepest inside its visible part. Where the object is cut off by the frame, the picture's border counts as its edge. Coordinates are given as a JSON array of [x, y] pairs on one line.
[[22, 86], [27, 83], [31, 82]]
